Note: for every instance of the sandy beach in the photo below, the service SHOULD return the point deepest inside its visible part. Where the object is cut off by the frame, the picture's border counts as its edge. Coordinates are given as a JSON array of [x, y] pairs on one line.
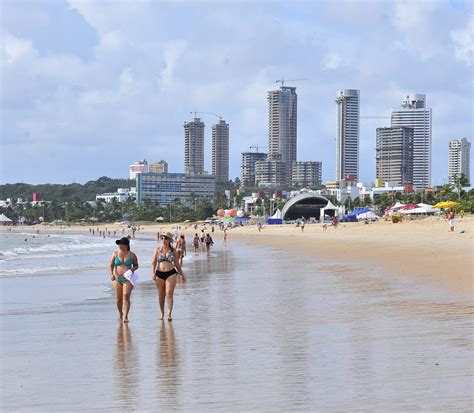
[[257, 327], [422, 249]]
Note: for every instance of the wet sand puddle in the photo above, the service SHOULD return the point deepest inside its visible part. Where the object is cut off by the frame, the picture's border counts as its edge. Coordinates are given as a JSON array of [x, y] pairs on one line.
[[254, 329]]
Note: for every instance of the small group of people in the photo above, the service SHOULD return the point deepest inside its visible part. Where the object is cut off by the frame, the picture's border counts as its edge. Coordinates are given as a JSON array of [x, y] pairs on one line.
[[204, 241], [166, 273]]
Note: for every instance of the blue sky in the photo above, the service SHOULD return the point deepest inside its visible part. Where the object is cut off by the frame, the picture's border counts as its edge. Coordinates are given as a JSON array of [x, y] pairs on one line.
[[89, 86]]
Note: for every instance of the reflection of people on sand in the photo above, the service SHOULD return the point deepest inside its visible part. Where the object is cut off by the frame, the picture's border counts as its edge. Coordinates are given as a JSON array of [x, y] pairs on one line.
[[126, 363], [166, 268], [167, 367], [225, 236], [120, 262]]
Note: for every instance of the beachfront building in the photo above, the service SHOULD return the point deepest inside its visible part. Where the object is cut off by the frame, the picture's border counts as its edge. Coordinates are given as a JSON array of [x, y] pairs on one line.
[[220, 151], [282, 129], [347, 135], [165, 188], [138, 167], [414, 114], [159, 167], [394, 155], [271, 173], [249, 160], [194, 146], [306, 173], [121, 195], [459, 160]]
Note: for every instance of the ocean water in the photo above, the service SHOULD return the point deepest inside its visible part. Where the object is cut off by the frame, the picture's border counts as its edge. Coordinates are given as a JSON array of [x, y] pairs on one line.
[[254, 329]]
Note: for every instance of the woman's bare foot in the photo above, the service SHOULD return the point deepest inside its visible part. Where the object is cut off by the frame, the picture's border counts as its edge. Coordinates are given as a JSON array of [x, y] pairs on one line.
[[162, 316], [125, 320], [169, 317], [120, 318]]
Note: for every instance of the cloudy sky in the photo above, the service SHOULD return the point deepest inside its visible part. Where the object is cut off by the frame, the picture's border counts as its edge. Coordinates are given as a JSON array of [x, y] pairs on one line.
[[88, 86]]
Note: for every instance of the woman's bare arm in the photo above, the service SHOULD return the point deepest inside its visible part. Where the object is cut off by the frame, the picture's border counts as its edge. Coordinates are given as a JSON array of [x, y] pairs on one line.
[[153, 263], [135, 265], [112, 266]]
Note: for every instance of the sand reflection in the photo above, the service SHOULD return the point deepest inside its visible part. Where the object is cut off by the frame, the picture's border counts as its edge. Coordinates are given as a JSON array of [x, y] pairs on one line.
[[167, 367], [126, 366]]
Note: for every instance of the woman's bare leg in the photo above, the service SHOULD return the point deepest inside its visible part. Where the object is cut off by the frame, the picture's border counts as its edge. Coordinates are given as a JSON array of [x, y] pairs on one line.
[[127, 291], [119, 298], [160, 284], [170, 284]]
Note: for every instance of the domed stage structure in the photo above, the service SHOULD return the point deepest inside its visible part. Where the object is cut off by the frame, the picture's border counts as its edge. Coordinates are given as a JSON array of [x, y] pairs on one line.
[[305, 205]]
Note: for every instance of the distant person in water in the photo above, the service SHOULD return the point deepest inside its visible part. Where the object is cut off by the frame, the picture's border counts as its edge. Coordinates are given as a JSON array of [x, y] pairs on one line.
[[121, 261], [181, 249], [166, 270]]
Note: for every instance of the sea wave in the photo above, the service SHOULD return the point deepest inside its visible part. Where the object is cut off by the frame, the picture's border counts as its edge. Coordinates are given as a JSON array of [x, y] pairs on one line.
[[46, 270], [52, 250]]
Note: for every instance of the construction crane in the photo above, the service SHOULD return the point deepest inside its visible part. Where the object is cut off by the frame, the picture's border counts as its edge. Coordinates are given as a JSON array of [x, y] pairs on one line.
[[256, 147], [282, 81], [206, 113]]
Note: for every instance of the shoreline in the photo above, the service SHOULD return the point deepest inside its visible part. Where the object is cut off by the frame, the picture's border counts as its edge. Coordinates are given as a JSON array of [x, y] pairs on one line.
[[422, 249]]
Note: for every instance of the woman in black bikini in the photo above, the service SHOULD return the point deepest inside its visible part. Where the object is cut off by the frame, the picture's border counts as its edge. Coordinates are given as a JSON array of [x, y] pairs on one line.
[[166, 268]]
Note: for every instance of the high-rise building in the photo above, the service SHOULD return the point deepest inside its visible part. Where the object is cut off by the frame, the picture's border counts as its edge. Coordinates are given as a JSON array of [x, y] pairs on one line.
[[138, 168], [394, 158], [220, 151], [248, 167], [459, 160], [307, 173], [159, 167], [271, 172], [194, 146], [282, 128], [347, 138], [414, 114]]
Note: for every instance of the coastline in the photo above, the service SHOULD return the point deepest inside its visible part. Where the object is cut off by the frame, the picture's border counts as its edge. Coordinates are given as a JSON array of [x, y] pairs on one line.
[[422, 249]]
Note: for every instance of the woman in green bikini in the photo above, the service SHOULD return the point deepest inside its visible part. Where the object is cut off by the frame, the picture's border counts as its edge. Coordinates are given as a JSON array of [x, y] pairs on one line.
[[120, 262]]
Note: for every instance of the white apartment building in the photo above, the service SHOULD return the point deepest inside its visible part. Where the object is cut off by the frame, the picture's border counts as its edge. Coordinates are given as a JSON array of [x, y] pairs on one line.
[[347, 137], [414, 114], [459, 160]]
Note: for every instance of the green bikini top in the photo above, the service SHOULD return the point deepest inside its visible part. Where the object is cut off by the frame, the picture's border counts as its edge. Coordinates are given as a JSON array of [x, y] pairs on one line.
[[128, 262]]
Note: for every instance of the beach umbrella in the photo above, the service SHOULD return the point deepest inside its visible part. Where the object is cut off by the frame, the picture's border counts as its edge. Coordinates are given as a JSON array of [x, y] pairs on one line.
[[446, 204]]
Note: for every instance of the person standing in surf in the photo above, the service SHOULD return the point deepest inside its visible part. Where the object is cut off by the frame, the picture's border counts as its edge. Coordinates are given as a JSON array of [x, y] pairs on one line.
[[181, 249], [121, 261], [165, 271]]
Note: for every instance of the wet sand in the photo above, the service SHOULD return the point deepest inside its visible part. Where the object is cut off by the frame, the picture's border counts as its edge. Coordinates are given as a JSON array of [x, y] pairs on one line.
[[255, 328]]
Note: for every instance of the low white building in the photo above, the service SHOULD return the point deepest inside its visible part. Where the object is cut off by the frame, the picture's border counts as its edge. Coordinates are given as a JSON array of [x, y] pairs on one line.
[[121, 195]]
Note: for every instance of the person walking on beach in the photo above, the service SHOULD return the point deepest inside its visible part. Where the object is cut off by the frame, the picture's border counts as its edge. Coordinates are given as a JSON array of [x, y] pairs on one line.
[[196, 242], [166, 269], [303, 223], [451, 219], [120, 263], [208, 241], [181, 249]]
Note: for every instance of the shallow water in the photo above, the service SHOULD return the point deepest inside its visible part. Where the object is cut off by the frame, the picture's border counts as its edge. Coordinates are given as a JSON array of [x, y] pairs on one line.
[[253, 329]]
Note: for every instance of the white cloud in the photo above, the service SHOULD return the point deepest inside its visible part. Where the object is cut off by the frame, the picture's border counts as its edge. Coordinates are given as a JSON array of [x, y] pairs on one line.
[[15, 48], [464, 42]]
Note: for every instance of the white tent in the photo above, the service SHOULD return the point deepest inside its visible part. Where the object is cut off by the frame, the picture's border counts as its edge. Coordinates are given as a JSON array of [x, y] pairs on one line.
[[4, 220], [329, 207], [421, 209], [370, 215], [277, 214]]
